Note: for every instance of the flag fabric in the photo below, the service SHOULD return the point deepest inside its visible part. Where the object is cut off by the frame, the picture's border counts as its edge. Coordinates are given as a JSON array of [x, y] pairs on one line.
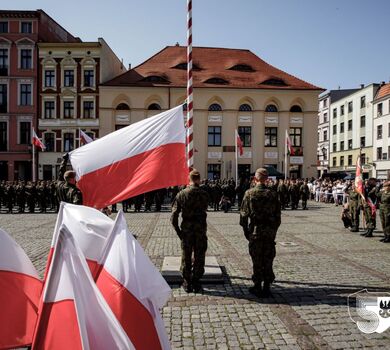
[[290, 148], [139, 158], [239, 144], [36, 141], [372, 206], [20, 290], [84, 137], [73, 314], [133, 288], [359, 188]]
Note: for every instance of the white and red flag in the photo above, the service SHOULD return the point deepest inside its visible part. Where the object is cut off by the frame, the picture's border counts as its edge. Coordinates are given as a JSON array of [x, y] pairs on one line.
[[84, 137], [73, 313], [290, 148], [139, 158], [134, 289], [20, 289], [359, 187], [239, 144], [36, 141]]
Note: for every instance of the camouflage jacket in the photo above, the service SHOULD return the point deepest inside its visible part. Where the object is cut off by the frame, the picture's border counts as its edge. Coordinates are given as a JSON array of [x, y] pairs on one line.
[[354, 197], [192, 203], [260, 210], [67, 192]]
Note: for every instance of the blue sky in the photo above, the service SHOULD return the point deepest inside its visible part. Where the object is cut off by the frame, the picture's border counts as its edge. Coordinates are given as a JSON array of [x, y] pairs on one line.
[[328, 43]]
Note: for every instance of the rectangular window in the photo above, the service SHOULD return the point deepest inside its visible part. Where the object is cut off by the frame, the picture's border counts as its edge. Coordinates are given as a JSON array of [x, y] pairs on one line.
[[49, 109], [349, 125], [3, 27], [68, 109], [334, 161], [325, 103], [25, 133], [379, 130], [214, 136], [341, 110], [26, 27], [350, 107], [296, 136], [245, 133], [325, 135], [342, 161], [350, 144], [334, 129], [88, 109], [363, 158], [334, 112], [363, 142], [342, 146], [26, 59], [271, 137], [384, 156], [363, 121], [69, 77], [25, 95], [88, 78], [3, 98], [325, 117], [388, 130], [350, 160], [325, 155], [379, 153], [363, 102], [49, 141], [3, 136], [49, 78], [213, 171], [380, 109], [334, 147], [3, 62], [341, 128], [68, 142]]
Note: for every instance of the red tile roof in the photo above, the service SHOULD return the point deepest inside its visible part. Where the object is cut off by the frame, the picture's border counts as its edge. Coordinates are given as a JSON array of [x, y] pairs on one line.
[[210, 63], [383, 91]]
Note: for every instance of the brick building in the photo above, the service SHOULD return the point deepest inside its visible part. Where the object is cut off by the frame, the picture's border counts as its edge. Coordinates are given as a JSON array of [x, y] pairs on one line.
[[20, 31]]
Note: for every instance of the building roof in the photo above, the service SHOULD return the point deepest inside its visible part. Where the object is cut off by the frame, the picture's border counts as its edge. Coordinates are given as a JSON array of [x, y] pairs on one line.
[[212, 67], [383, 91]]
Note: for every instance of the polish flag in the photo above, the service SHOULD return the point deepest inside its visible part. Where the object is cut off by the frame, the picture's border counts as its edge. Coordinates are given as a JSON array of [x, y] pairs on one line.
[[359, 178], [73, 314], [239, 144], [290, 148], [84, 137], [134, 289], [37, 142], [139, 158], [20, 289]]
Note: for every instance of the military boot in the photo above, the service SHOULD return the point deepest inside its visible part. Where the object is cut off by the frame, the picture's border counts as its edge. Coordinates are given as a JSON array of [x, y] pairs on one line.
[[387, 239], [266, 292], [354, 229], [187, 286], [364, 233], [369, 233], [255, 290], [197, 286]]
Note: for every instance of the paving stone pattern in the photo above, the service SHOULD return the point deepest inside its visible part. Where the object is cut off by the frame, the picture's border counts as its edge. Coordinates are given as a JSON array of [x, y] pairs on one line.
[[318, 264]]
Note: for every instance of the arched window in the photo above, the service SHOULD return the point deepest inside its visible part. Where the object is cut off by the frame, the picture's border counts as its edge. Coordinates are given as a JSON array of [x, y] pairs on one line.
[[245, 108], [215, 107], [271, 108], [154, 107], [122, 107], [296, 109]]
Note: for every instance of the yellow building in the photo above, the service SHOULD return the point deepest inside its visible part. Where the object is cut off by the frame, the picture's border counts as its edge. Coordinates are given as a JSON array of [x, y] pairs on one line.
[[233, 89]]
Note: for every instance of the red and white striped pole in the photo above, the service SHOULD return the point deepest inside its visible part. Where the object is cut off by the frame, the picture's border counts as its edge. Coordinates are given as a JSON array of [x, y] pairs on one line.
[[190, 105]]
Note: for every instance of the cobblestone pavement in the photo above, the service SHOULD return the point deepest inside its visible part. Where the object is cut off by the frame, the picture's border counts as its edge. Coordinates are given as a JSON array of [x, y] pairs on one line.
[[318, 264]]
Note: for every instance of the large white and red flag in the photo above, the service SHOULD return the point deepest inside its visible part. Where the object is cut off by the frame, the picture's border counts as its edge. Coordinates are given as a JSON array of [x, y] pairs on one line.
[[239, 144], [134, 289], [73, 313], [84, 137], [359, 187], [290, 148], [20, 289], [139, 158], [36, 141]]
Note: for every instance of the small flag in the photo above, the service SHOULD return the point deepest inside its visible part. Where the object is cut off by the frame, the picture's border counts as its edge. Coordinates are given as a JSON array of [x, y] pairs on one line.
[[239, 144], [85, 138], [359, 178], [37, 142], [290, 148]]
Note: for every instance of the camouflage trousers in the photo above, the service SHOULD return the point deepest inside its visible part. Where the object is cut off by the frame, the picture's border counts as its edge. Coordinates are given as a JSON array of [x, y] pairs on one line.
[[262, 251], [370, 220], [193, 242], [355, 213], [385, 221]]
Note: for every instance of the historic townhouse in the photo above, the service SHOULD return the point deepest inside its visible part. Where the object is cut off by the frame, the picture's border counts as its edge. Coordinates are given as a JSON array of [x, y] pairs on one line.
[[233, 89], [20, 31], [68, 101], [381, 109]]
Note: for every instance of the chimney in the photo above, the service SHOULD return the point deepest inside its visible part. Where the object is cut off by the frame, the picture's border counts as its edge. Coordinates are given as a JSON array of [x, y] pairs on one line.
[[362, 86], [129, 66], [383, 83], [177, 43]]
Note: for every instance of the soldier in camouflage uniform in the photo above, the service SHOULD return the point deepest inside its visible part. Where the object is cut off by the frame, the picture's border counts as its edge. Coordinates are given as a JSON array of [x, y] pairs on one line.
[[66, 185], [282, 194], [192, 203], [304, 193], [384, 207], [260, 218], [369, 207], [354, 208]]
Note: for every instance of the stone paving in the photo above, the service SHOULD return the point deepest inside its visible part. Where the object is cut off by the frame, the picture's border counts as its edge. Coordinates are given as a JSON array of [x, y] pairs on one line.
[[318, 264]]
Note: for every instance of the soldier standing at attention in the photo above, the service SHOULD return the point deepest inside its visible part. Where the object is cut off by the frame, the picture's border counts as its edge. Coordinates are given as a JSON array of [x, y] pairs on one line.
[[260, 218], [369, 207], [192, 203], [304, 192], [354, 208], [384, 207]]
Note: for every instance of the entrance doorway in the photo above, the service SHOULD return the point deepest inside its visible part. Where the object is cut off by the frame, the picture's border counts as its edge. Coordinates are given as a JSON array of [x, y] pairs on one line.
[[244, 171]]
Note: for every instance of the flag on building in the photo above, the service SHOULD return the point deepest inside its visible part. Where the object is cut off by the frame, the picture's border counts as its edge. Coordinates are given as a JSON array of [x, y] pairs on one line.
[[139, 158], [290, 148], [84, 137], [20, 290], [359, 188], [134, 289], [73, 314], [239, 144], [36, 141]]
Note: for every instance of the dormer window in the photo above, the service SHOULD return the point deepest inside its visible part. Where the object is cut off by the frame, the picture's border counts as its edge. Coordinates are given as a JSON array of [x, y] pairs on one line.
[[183, 66], [274, 82], [242, 68], [216, 81], [156, 79]]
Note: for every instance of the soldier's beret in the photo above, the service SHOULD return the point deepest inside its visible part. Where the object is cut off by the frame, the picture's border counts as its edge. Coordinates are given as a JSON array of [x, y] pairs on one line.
[[261, 172], [195, 173], [70, 174]]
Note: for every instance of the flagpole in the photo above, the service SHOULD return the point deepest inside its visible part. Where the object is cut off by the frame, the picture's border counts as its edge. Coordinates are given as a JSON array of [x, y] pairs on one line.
[[285, 157], [33, 158], [190, 106], [236, 137]]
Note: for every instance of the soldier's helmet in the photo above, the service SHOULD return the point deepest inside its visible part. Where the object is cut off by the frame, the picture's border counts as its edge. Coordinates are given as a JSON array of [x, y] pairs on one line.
[[261, 173]]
